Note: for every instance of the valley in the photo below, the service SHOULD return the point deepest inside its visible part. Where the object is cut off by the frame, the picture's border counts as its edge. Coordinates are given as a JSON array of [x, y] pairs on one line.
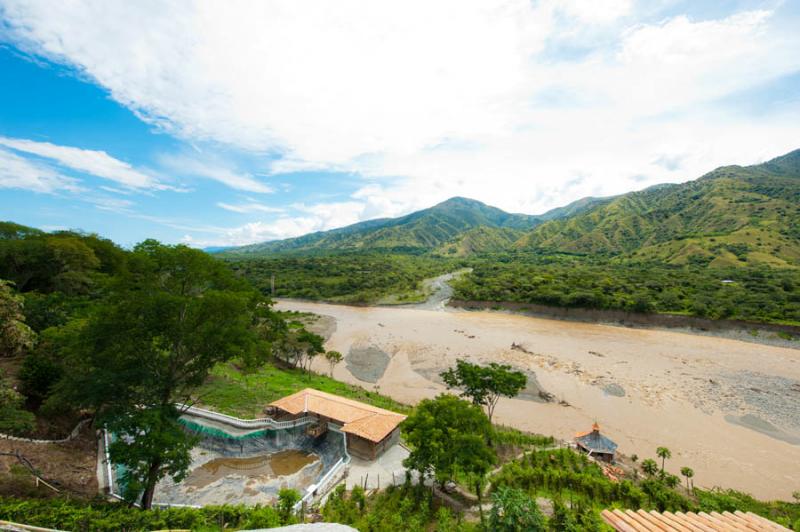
[[726, 408]]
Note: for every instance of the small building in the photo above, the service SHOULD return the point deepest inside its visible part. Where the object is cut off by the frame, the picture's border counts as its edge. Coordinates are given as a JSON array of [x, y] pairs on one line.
[[370, 430], [596, 445]]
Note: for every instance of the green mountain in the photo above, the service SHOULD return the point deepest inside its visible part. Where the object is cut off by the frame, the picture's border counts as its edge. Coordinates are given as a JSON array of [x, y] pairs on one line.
[[731, 216], [423, 230], [481, 239]]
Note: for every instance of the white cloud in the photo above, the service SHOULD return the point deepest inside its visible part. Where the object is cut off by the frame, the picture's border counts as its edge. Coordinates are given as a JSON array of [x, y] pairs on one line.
[[596, 11], [310, 218], [215, 171], [17, 172], [455, 97], [97, 163], [251, 207]]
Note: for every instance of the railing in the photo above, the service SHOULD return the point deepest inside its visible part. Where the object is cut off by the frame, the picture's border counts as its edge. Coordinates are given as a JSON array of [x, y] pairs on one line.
[[320, 488], [258, 423]]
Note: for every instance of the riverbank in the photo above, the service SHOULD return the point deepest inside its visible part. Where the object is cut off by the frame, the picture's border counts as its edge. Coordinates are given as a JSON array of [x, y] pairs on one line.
[[647, 388], [760, 333]]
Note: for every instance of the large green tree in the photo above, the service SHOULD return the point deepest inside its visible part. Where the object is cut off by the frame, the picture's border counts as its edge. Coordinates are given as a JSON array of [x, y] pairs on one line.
[[165, 323], [484, 385], [513, 510], [448, 435], [15, 335]]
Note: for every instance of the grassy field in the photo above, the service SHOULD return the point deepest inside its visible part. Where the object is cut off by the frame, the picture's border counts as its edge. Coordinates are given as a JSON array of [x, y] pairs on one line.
[[234, 392]]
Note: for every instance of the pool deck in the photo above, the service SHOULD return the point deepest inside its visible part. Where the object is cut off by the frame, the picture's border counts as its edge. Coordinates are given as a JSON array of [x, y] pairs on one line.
[[380, 470]]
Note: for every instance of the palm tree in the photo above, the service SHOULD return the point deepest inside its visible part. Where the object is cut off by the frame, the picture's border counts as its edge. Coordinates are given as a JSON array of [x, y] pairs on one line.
[[688, 473], [663, 453], [650, 467]]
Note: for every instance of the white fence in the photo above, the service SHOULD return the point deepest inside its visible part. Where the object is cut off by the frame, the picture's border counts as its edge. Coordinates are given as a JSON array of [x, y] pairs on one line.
[[255, 424]]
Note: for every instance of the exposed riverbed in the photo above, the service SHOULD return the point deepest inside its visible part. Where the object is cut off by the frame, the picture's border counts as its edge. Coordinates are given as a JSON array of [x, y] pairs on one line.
[[726, 408]]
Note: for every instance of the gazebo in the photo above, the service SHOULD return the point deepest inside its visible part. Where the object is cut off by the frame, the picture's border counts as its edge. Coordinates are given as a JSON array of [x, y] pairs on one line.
[[596, 445]]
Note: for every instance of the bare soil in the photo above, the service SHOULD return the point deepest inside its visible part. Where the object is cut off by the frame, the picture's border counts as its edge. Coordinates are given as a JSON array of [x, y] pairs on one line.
[[70, 467]]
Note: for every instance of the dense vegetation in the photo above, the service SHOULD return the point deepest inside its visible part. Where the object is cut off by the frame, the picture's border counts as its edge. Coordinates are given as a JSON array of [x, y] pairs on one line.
[[733, 216], [571, 478], [72, 514], [347, 278], [755, 293]]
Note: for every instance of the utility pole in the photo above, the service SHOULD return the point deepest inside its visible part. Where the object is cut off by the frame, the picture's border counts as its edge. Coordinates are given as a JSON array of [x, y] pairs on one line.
[[272, 284]]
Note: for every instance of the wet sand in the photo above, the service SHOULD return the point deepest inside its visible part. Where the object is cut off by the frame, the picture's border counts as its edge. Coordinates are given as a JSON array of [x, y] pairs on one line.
[[646, 388]]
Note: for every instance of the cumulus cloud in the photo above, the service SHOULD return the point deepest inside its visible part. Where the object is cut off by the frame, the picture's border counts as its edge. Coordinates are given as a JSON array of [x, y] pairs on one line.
[[506, 101], [97, 163], [306, 218]]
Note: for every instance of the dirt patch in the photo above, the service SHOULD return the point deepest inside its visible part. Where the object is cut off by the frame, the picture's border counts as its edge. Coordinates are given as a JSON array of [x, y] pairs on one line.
[[367, 363], [70, 466], [320, 324]]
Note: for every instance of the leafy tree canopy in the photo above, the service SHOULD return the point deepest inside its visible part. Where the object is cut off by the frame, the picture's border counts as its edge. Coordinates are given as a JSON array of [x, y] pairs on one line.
[[484, 385], [15, 336], [173, 315], [447, 435]]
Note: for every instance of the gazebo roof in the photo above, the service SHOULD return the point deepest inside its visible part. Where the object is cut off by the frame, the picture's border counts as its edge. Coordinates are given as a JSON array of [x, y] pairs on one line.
[[595, 442]]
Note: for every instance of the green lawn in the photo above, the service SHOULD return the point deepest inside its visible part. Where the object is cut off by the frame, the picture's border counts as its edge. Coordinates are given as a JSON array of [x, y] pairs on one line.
[[233, 392]]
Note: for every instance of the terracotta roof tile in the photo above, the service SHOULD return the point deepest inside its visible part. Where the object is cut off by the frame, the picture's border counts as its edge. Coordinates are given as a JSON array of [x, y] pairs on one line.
[[366, 421], [636, 521]]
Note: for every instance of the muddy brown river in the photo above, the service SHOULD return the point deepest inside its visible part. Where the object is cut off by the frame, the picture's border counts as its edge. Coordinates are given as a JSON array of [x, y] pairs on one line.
[[728, 409]]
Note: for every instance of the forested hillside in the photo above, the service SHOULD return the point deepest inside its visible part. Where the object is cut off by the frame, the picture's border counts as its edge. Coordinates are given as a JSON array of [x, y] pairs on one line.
[[733, 216], [755, 293], [358, 278], [417, 232]]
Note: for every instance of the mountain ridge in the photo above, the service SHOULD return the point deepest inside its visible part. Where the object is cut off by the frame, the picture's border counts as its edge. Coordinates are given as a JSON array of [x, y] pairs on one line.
[[732, 215]]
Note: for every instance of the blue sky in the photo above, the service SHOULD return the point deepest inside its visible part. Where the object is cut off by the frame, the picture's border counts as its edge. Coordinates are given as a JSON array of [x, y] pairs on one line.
[[217, 124]]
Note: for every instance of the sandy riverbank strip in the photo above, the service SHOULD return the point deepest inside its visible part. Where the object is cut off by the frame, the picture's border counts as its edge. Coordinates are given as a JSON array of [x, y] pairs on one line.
[[646, 388]]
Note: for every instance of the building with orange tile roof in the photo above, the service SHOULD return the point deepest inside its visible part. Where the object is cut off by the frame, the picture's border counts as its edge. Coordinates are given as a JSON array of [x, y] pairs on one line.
[[370, 430]]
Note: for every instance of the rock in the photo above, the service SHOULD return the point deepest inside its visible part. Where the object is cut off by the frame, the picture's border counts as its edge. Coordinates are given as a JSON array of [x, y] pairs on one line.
[[547, 396]]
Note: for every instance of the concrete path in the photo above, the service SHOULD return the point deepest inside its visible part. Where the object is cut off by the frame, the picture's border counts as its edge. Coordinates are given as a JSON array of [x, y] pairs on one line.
[[378, 473]]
